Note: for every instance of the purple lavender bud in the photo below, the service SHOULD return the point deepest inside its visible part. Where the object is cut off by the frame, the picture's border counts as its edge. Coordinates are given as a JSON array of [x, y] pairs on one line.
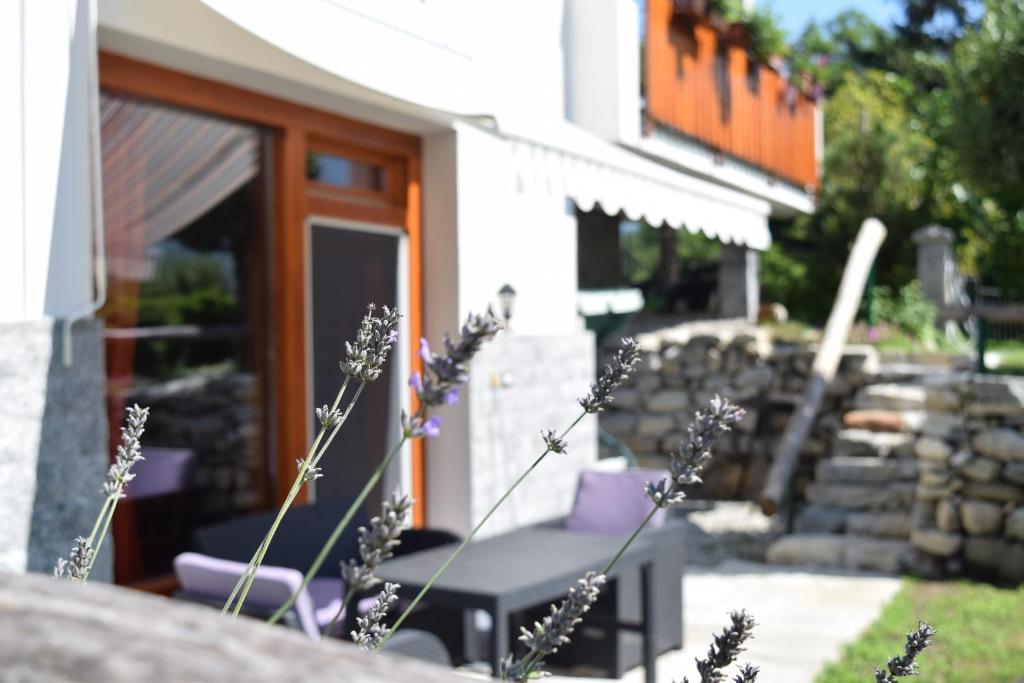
[[432, 427], [425, 350], [452, 396], [416, 382]]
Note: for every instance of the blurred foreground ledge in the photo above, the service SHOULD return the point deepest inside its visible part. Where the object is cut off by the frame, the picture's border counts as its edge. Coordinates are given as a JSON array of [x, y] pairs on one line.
[[55, 631]]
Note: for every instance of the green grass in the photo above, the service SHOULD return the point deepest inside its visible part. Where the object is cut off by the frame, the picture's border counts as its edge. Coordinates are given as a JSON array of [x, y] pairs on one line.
[[1011, 356], [980, 635]]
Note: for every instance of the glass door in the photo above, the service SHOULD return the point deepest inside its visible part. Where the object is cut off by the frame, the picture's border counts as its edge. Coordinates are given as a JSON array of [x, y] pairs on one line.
[[185, 205]]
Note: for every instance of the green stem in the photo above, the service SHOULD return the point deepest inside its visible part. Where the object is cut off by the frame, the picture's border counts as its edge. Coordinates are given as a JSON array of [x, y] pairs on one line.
[[329, 631], [244, 583], [462, 546], [99, 539], [339, 529], [99, 518], [629, 541]]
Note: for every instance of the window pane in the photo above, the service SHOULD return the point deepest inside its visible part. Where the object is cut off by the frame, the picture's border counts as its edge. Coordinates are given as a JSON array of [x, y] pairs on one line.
[[186, 334], [333, 169]]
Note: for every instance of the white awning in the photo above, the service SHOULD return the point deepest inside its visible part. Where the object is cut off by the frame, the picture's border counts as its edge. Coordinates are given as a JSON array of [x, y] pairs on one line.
[[564, 159]]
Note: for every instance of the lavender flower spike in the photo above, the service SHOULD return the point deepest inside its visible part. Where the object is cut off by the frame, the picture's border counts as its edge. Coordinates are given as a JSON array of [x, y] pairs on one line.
[[366, 356], [443, 373], [554, 630], [615, 373], [76, 568], [129, 452], [377, 543], [726, 649], [694, 452], [905, 665], [553, 442], [371, 627]]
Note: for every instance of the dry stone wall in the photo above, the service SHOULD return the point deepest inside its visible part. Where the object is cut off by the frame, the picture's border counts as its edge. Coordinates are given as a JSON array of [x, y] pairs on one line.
[[933, 466], [907, 468], [682, 368]]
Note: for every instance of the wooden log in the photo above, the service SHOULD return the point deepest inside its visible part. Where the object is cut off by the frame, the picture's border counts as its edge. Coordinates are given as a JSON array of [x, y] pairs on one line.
[[823, 370]]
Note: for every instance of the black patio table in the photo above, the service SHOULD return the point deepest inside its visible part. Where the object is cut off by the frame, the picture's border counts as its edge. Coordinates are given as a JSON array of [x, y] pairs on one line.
[[525, 568]]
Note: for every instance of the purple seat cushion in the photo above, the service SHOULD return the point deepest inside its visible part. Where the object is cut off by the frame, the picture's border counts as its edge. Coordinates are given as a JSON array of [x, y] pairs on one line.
[[327, 598], [613, 503], [215, 578], [161, 472]]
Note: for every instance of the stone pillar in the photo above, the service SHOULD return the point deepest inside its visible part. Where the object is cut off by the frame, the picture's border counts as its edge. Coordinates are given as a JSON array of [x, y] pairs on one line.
[[936, 267], [53, 425], [739, 283], [53, 454]]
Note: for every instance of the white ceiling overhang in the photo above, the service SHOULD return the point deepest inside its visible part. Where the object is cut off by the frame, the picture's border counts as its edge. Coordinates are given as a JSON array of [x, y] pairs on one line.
[[556, 157], [347, 38]]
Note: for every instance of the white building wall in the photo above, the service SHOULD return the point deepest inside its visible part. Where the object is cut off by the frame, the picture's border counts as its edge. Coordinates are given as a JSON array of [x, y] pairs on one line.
[[506, 237], [46, 259], [602, 59], [479, 234]]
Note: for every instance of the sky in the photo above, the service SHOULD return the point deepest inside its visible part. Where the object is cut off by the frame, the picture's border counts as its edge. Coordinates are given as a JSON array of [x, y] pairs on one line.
[[794, 14]]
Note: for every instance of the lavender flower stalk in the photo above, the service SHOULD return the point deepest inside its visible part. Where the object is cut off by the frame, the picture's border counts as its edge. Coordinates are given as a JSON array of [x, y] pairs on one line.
[[724, 651], [694, 452], [437, 386], [372, 630], [129, 452], [614, 374], [693, 455], [905, 665], [76, 567], [364, 363], [554, 630], [376, 544]]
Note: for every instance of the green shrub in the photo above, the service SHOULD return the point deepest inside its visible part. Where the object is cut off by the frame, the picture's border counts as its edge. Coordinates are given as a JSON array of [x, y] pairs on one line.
[[909, 310]]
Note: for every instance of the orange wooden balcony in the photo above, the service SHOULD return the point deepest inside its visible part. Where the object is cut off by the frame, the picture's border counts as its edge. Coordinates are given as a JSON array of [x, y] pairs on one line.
[[710, 89]]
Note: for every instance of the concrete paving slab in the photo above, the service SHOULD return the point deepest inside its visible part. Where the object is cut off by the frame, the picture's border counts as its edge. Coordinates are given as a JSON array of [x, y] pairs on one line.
[[804, 617]]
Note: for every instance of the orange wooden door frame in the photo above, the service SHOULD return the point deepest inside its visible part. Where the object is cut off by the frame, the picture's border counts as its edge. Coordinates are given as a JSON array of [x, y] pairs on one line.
[[295, 128]]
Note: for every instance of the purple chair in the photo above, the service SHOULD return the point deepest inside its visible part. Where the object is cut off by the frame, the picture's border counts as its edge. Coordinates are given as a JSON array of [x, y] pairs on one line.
[[210, 580], [613, 503]]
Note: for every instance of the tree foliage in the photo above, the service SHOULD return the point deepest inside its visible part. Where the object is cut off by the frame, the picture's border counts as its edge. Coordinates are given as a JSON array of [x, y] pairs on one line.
[[924, 123]]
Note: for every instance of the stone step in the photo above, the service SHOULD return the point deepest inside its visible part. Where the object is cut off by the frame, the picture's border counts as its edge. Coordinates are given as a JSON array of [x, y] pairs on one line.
[[897, 495], [917, 373], [823, 519], [854, 469], [867, 443], [928, 422], [846, 551], [907, 397]]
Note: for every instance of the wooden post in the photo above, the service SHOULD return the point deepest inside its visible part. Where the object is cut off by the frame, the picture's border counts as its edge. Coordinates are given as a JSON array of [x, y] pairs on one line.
[[847, 301]]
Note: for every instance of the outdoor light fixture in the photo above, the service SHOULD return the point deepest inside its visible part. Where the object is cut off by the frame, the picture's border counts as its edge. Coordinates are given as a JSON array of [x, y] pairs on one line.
[[507, 297]]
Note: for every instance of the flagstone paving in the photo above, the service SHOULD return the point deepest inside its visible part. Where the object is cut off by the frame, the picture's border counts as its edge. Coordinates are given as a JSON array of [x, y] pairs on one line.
[[804, 618]]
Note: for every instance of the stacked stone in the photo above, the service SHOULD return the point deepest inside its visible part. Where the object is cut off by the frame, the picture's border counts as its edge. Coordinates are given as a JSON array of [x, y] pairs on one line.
[[970, 509], [218, 417], [939, 463], [681, 372]]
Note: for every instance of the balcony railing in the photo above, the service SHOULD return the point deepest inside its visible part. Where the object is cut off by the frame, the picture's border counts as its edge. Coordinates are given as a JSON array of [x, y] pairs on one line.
[[701, 84]]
